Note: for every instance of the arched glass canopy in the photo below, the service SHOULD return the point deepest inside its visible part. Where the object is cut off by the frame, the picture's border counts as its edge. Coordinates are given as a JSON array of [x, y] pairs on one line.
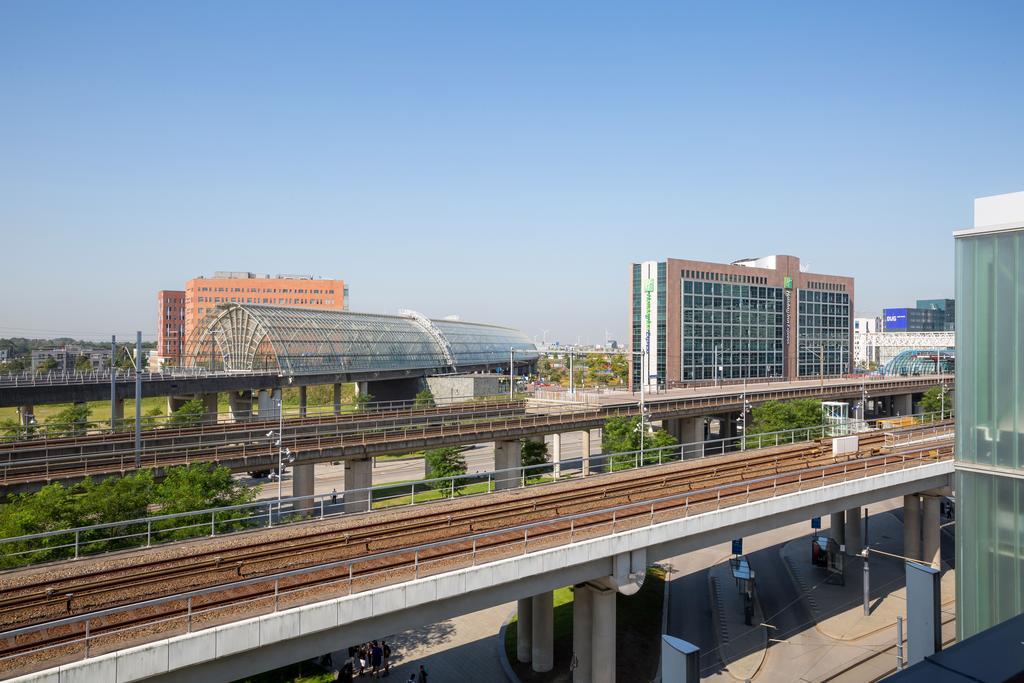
[[247, 337], [921, 362]]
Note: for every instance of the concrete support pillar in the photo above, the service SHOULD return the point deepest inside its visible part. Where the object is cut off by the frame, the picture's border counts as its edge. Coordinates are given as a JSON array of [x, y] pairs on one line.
[[507, 463], [240, 405], [837, 527], [854, 535], [358, 475], [585, 442], [582, 632], [209, 408], [524, 630], [556, 455], [26, 414], [174, 403], [337, 399], [543, 657], [602, 643], [303, 479], [302, 401], [268, 404], [912, 527], [117, 413], [903, 404], [691, 435], [930, 548], [674, 427]]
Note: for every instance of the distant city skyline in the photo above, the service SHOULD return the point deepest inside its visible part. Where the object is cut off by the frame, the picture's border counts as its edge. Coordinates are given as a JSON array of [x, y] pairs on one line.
[[502, 163]]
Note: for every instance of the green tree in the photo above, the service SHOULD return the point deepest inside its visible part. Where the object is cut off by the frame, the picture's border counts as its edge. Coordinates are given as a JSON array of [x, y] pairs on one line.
[[778, 416], [362, 401], [936, 400], [83, 364], [622, 435], [534, 453], [198, 486], [12, 429], [46, 365], [190, 414], [424, 399], [72, 421], [114, 498], [444, 462]]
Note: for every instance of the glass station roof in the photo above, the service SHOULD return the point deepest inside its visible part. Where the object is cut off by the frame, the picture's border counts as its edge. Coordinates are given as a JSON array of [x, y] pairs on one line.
[[246, 337], [920, 362]]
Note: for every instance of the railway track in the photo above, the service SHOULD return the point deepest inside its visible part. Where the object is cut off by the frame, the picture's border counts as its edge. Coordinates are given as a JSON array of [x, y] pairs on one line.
[[249, 447], [45, 594], [233, 431]]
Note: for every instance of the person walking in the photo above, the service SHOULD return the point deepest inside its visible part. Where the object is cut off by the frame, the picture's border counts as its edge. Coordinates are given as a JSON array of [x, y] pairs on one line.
[[423, 675], [387, 657], [376, 659]]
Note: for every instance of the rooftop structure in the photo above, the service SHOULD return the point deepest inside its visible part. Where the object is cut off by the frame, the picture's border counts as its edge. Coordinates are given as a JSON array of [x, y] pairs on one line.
[[239, 336]]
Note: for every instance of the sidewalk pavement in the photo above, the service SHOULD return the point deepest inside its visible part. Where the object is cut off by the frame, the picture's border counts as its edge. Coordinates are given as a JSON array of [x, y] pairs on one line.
[[460, 649], [836, 609], [742, 648]]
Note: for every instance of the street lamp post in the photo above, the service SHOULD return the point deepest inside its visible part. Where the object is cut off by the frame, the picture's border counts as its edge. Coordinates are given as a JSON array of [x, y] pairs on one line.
[[281, 450], [642, 426], [572, 380]]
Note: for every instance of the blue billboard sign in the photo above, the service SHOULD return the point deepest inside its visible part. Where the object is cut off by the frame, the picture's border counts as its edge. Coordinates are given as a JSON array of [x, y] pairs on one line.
[[895, 318]]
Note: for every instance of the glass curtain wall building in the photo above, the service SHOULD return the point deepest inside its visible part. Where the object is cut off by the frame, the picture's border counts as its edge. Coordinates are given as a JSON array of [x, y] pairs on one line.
[[695, 321], [990, 415]]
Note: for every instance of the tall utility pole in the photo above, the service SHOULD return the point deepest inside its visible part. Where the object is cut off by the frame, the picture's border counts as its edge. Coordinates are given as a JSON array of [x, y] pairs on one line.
[[138, 399], [511, 373], [113, 380], [572, 381], [821, 359]]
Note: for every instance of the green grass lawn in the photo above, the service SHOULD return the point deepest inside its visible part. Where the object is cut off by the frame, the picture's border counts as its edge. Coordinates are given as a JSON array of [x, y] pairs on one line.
[[637, 635], [99, 411]]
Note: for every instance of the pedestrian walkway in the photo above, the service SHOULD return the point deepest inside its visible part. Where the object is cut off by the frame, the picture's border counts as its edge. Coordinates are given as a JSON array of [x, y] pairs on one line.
[[741, 647], [837, 609], [464, 648]]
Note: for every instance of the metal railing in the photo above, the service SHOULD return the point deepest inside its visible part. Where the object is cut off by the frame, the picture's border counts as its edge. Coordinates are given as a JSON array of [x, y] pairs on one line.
[[465, 551], [161, 426], [146, 531], [550, 417]]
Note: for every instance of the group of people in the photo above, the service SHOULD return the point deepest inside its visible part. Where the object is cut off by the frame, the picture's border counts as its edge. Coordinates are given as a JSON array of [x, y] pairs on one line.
[[373, 657]]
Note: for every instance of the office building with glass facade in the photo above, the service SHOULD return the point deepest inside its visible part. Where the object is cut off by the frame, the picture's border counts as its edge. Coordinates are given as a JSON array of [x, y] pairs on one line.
[[990, 415], [694, 321]]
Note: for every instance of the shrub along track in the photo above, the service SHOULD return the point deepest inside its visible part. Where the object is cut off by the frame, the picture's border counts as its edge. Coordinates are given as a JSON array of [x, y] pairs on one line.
[[42, 594]]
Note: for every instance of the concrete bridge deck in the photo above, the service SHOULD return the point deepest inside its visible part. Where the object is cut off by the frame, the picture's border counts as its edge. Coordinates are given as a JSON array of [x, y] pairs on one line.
[[214, 650], [27, 465]]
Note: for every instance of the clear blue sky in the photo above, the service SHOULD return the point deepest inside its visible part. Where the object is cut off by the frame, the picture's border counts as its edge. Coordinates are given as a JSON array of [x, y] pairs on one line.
[[502, 161]]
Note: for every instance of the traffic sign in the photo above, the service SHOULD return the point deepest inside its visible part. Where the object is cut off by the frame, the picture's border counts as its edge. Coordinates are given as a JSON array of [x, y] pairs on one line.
[[737, 546], [815, 522]]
